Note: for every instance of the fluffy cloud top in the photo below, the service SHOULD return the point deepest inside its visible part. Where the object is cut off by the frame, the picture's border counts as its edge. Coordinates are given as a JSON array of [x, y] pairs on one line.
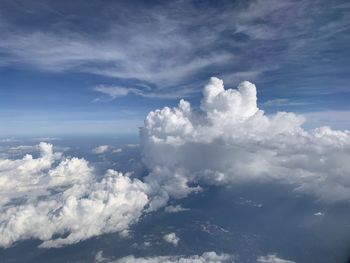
[[62, 197], [230, 140], [206, 257], [172, 238]]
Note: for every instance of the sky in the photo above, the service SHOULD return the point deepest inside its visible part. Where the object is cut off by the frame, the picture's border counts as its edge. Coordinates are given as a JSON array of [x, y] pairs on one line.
[[99, 67], [114, 112]]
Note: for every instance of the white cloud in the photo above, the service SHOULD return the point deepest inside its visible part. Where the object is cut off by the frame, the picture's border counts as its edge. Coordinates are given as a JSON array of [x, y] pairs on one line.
[[319, 214], [283, 102], [99, 258], [172, 238], [106, 148], [60, 201], [137, 57], [206, 257], [272, 259], [113, 92], [101, 149], [117, 150], [230, 140], [175, 209]]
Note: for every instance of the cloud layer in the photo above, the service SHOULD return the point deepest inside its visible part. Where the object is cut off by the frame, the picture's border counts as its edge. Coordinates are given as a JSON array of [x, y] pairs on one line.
[[206, 257], [272, 259], [230, 140], [62, 197]]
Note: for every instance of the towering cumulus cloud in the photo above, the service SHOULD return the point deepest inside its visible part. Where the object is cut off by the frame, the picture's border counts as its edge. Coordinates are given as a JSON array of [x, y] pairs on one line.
[[52, 196], [230, 140]]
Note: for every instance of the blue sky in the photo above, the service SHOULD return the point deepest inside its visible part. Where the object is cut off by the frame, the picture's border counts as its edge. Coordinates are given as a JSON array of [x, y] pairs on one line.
[[98, 67]]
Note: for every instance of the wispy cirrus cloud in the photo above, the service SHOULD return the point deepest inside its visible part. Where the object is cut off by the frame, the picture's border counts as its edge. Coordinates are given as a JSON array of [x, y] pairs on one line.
[[283, 102], [164, 49], [114, 92]]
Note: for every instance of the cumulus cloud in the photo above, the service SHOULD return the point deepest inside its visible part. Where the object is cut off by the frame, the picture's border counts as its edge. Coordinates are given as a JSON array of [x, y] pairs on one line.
[[100, 149], [206, 257], [172, 238], [60, 201], [106, 148], [272, 259], [99, 258], [230, 140], [158, 32]]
